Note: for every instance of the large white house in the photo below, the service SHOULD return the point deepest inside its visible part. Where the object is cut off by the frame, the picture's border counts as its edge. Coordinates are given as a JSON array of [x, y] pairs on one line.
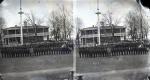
[[89, 36], [31, 34]]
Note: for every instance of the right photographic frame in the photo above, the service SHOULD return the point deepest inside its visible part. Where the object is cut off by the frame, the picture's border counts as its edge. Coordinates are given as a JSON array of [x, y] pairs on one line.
[[112, 40]]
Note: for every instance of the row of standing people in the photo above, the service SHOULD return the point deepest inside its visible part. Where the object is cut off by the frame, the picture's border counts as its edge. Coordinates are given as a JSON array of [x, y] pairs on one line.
[[27, 52], [106, 52]]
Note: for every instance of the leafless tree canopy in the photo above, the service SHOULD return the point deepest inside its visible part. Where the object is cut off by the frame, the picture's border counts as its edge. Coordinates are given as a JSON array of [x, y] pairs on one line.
[[137, 25], [109, 19], [2, 23], [79, 25], [60, 22], [31, 19]]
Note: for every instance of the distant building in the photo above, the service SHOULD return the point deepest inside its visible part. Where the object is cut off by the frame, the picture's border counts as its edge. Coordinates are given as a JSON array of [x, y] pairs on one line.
[[89, 36], [31, 34]]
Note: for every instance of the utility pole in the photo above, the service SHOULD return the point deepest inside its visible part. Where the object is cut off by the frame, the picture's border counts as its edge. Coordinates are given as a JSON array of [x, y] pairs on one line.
[[21, 28], [98, 22], [75, 52]]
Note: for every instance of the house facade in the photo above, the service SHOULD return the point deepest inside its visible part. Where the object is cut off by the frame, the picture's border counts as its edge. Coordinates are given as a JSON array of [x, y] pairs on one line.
[[89, 36], [11, 36]]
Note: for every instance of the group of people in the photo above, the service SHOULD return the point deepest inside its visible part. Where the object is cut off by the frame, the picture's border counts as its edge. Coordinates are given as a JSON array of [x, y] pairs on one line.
[[36, 50], [107, 51], [10, 52]]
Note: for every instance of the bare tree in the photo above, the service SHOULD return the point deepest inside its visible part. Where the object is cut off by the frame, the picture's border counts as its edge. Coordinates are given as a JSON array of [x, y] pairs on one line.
[[34, 21], [66, 21], [60, 21], [110, 21], [137, 25], [55, 26], [2, 23], [31, 19], [79, 25]]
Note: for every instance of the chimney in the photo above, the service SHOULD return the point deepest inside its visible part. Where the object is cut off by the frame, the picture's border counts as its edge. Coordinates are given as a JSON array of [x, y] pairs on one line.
[[93, 25], [25, 23], [102, 23], [15, 25]]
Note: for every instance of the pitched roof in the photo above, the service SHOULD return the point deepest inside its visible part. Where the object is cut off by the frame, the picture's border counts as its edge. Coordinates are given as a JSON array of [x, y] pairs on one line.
[[24, 27]]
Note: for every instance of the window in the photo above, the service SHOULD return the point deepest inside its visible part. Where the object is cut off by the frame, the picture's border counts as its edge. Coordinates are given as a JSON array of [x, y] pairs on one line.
[[45, 29], [82, 32], [89, 40], [17, 31]]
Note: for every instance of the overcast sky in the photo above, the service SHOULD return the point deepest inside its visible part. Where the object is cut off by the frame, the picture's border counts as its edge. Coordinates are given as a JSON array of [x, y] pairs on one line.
[[41, 8], [85, 9]]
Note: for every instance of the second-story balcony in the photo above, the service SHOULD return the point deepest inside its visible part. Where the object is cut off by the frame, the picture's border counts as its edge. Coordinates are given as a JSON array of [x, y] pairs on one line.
[[25, 34], [89, 36], [102, 35]]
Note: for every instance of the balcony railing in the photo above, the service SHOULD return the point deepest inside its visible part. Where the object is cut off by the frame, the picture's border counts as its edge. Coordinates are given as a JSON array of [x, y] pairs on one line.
[[25, 34], [88, 36], [102, 35]]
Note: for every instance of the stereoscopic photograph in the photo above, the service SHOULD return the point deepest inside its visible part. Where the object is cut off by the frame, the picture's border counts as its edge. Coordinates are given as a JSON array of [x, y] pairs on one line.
[[74, 40]]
